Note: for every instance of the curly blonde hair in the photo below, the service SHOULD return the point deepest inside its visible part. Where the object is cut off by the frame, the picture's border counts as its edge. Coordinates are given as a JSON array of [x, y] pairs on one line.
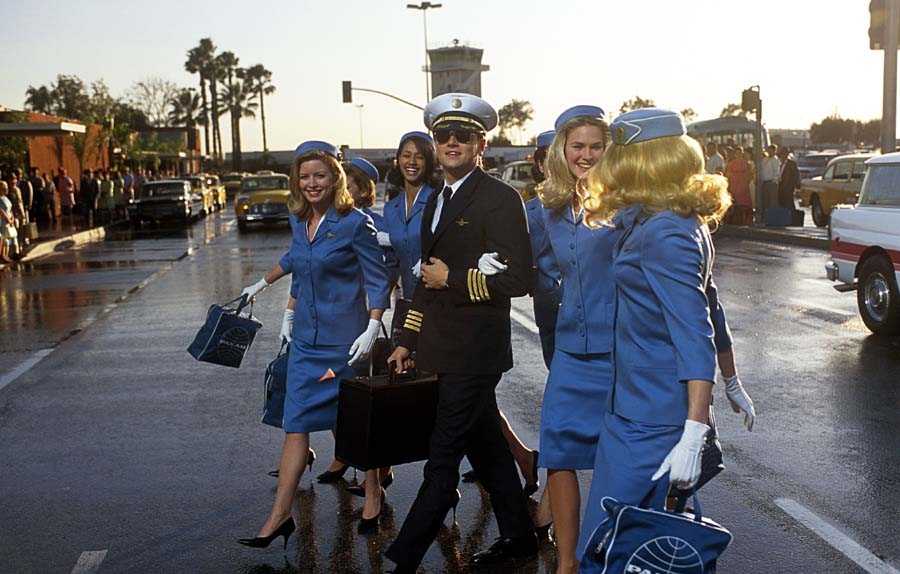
[[342, 201], [660, 174], [557, 189]]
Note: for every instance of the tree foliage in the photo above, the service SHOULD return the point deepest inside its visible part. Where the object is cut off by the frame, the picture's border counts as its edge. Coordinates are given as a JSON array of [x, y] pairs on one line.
[[837, 130], [636, 103], [513, 116], [688, 114], [734, 110], [152, 96]]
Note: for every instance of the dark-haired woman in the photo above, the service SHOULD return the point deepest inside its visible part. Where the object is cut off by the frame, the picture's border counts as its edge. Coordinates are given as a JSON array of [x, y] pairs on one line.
[[336, 266]]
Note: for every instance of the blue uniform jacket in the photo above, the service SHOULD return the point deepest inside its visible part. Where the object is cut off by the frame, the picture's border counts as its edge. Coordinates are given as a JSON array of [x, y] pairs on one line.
[[664, 334], [547, 292], [390, 258], [406, 235], [333, 275], [583, 256]]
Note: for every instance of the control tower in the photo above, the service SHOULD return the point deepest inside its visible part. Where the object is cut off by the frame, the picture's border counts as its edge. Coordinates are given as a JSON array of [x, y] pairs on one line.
[[456, 68]]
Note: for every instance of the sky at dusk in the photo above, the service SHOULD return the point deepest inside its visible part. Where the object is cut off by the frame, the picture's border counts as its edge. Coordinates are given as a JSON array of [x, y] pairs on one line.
[[811, 58]]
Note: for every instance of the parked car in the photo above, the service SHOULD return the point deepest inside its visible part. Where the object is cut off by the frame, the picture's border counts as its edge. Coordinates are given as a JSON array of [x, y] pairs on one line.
[[865, 246], [518, 175], [220, 196], [840, 183], [232, 182], [263, 199], [198, 185], [813, 164], [167, 199]]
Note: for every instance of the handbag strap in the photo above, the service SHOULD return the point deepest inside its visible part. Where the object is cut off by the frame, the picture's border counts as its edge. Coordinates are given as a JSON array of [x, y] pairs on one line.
[[242, 302], [371, 358], [698, 512]]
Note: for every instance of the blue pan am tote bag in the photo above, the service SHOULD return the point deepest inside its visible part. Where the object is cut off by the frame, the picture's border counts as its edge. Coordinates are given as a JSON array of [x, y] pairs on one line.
[[226, 335]]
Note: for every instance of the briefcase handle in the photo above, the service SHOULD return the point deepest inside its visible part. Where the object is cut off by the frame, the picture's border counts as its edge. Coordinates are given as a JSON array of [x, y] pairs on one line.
[[242, 302], [372, 358]]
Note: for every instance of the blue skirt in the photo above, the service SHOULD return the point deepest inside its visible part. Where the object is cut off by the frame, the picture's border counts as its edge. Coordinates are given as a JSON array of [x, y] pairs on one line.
[[628, 454], [311, 400], [574, 400]]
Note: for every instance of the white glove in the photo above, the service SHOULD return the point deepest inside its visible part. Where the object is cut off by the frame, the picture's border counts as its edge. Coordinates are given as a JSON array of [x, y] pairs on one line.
[[740, 400], [255, 289], [363, 344], [489, 265], [683, 461], [417, 269], [287, 325], [383, 239]]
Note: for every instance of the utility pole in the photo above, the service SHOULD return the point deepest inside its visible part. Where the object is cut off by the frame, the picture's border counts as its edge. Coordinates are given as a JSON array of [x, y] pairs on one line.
[[889, 102], [424, 6], [360, 108], [752, 102]]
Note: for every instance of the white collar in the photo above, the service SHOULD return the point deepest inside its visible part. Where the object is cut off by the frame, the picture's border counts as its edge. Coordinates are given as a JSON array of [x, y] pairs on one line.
[[454, 187]]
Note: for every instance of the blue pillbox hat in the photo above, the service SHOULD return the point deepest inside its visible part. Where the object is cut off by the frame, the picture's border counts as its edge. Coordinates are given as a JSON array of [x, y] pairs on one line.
[[646, 124], [415, 135], [313, 146], [594, 112], [544, 139], [365, 166]]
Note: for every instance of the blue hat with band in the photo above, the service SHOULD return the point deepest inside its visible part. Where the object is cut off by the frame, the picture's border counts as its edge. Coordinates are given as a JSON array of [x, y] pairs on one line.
[[646, 124], [544, 139], [314, 146], [583, 111], [415, 135], [365, 166]]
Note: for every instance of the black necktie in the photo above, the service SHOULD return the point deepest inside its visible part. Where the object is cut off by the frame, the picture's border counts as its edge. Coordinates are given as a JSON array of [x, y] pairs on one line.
[[448, 191]]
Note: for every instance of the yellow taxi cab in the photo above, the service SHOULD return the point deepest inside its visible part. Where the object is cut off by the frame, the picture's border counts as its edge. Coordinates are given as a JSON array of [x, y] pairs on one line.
[[232, 182], [262, 199], [839, 184]]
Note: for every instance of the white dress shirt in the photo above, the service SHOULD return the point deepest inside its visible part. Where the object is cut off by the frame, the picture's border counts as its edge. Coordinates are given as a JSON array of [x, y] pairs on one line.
[[771, 169], [439, 203]]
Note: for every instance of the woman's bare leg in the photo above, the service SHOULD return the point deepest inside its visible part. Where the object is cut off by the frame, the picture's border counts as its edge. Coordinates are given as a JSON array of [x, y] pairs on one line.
[[294, 453], [565, 503]]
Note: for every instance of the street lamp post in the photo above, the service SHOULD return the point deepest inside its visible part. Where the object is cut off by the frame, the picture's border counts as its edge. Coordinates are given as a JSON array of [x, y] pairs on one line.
[[360, 108], [424, 6]]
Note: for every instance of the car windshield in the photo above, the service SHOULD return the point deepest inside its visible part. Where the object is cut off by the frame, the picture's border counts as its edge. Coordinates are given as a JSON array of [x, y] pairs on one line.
[[881, 186], [230, 178], [160, 189], [196, 182], [814, 160], [251, 184]]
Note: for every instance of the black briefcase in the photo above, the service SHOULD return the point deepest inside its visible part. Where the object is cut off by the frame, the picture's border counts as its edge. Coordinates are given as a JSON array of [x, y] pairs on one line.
[[385, 420]]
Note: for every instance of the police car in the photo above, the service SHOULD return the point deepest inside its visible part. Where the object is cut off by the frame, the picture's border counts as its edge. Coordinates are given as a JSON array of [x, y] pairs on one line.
[[865, 246]]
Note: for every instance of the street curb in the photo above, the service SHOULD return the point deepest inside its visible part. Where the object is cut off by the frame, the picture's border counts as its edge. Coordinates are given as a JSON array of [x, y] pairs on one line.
[[773, 236], [63, 243]]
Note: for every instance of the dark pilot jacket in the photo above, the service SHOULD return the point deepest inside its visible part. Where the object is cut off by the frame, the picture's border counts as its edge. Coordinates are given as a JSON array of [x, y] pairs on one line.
[[465, 327]]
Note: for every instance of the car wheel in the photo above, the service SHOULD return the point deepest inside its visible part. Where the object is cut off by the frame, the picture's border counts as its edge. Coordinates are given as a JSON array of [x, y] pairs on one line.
[[877, 296], [820, 218]]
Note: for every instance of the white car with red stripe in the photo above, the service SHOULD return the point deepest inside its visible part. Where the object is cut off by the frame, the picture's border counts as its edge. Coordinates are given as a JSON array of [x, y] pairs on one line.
[[865, 246]]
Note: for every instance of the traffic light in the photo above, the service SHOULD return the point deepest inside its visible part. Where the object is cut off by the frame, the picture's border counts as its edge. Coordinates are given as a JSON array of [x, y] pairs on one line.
[[877, 18], [348, 94], [750, 100]]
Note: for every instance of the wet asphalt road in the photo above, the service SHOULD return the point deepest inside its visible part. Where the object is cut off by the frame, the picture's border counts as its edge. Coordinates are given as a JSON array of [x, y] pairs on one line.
[[118, 440]]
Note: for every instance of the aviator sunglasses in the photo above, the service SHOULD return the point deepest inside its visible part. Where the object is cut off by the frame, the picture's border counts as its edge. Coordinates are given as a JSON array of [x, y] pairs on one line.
[[463, 136]]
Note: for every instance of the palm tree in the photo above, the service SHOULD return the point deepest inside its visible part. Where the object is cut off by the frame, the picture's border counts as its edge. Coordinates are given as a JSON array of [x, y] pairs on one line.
[[237, 97], [259, 81], [197, 61], [227, 64], [38, 99], [185, 108]]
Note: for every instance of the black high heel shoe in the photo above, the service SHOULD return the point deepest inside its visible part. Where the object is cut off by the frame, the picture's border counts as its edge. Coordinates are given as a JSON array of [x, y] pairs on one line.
[[330, 476], [532, 487], [367, 525], [310, 459], [360, 489], [543, 533], [286, 529]]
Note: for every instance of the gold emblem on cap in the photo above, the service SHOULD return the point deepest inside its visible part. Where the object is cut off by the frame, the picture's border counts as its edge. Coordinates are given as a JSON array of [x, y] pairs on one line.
[[620, 134], [456, 103]]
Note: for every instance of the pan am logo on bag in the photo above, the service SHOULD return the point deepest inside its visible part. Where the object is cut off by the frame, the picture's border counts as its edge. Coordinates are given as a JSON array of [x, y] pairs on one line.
[[233, 343], [665, 555]]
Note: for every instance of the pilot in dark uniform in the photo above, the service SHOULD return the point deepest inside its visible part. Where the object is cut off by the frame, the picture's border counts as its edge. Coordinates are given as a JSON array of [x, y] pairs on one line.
[[459, 327]]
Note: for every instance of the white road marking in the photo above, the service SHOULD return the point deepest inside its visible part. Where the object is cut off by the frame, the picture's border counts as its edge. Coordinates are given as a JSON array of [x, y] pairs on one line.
[[523, 320], [89, 562], [24, 366], [834, 310], [837, 539]]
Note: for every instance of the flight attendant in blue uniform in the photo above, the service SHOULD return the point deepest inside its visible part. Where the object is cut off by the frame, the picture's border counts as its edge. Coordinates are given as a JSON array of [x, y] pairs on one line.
[[336, 265], [403, 214], [362, 176], [652, 178]]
